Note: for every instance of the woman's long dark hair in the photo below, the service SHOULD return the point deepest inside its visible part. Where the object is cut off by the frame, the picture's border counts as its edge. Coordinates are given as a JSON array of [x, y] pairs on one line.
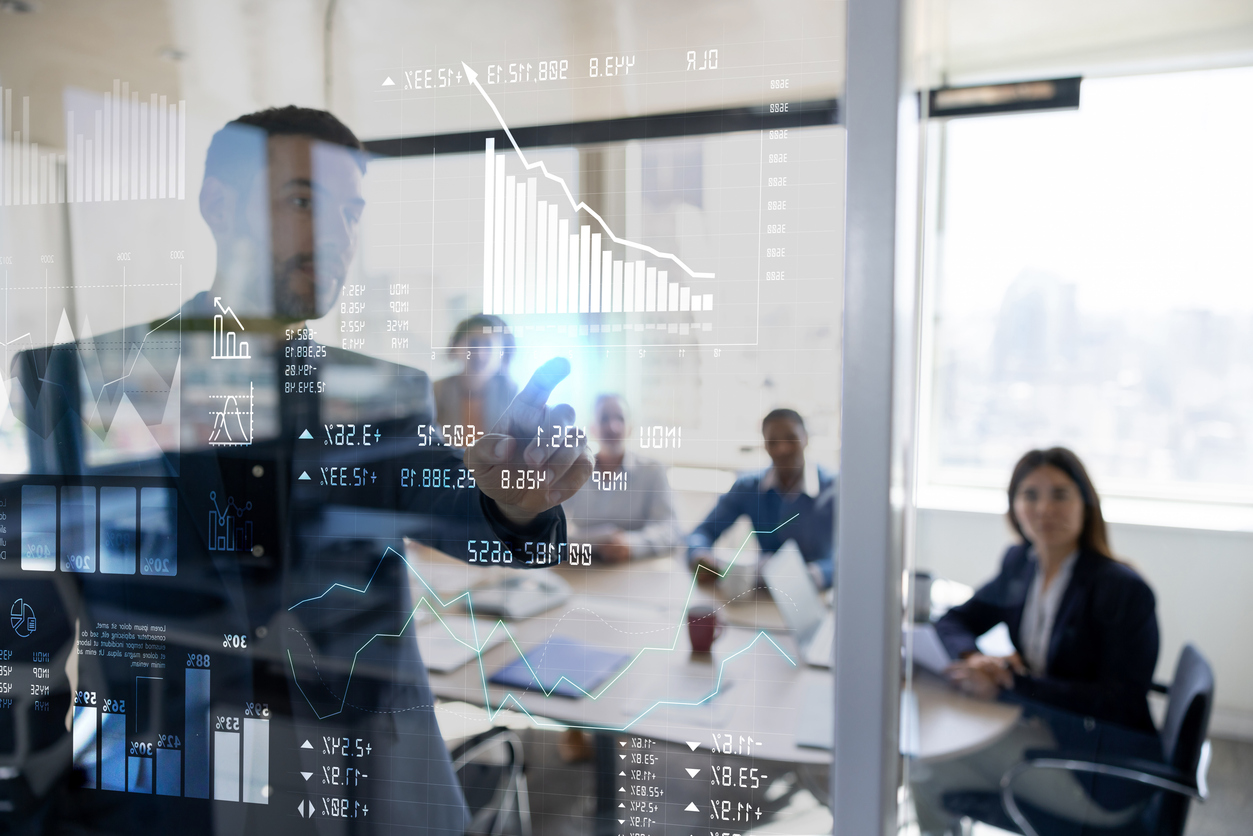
[[1092, 537]]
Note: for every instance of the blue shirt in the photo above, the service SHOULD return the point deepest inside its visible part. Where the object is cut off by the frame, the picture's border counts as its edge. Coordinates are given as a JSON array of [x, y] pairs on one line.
[[756, 496]]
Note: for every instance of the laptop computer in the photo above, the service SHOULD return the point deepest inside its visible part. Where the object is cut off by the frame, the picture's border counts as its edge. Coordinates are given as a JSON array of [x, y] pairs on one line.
[[801, 605]]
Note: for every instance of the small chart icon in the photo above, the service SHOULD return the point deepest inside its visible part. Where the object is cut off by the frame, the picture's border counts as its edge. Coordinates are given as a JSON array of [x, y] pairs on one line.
[[22, 617], [232, 419]]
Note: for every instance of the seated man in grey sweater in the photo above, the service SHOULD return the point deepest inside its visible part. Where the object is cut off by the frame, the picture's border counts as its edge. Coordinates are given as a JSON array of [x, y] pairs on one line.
[[626, 511]]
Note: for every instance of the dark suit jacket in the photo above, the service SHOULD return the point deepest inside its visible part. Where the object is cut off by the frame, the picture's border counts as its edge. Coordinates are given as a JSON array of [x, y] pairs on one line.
[[319, 565], [1104, 644]]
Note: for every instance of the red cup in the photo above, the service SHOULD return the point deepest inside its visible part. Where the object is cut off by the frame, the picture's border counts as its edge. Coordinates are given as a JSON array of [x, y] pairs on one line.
[[703, 628]]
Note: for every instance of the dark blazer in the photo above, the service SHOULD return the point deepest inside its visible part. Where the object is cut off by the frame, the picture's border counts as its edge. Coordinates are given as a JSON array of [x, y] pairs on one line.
[[1104, 644]]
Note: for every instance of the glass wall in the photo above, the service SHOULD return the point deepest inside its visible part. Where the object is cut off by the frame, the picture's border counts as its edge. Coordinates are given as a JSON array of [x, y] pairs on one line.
[[419, 420]]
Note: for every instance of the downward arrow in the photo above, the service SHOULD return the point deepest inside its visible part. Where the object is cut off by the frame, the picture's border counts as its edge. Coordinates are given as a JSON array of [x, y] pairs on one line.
[[692, 745], [691, 773], [307, 775]]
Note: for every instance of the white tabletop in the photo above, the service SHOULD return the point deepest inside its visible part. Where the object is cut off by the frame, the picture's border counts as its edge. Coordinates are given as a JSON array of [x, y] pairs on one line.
[[753, 673]]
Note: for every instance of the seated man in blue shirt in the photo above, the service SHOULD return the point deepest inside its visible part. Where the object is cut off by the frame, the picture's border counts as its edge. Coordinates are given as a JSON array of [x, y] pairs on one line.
[[787, 488]]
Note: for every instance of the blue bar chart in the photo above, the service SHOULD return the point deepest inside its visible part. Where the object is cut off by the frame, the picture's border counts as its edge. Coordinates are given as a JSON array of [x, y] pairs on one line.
[[138, 527], [223, 754], [196, 732]]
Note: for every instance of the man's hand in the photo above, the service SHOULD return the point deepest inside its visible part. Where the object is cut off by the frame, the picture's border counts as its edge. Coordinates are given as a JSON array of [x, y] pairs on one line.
[[613, 549], [524, 477]]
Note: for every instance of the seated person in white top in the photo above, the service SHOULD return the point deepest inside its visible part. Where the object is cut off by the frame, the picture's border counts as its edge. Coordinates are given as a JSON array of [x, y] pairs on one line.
[[626, 510]]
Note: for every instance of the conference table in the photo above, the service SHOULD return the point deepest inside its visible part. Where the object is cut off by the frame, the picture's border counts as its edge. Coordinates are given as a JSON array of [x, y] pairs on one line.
[[751, 686]]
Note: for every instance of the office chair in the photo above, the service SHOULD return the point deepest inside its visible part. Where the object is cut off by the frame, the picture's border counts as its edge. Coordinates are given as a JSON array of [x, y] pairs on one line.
[[489, 767], [1178, 780]]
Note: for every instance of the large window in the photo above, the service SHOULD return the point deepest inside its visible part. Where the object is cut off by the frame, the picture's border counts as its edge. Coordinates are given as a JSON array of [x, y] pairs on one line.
[[1095, 289]]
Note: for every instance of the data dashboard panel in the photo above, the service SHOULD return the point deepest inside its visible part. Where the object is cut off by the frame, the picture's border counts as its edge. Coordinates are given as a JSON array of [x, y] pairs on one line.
[[401, 409]]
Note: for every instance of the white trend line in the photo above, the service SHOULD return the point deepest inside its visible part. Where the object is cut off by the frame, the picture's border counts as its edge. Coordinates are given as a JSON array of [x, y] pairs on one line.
[[138, 351], [134, 361], [578, 206], [217, 300]]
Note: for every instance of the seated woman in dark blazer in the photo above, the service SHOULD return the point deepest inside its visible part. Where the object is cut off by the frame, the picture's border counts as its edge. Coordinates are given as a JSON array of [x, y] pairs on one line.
[[1084, 626]]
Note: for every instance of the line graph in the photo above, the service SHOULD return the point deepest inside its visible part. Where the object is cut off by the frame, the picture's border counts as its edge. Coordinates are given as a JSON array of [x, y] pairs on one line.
[[480, 645], [228, 420]]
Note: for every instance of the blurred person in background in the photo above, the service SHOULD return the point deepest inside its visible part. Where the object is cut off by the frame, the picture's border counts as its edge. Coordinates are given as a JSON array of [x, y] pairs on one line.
[[790, 500], [1084, 626], [627, 509], [479, 394]]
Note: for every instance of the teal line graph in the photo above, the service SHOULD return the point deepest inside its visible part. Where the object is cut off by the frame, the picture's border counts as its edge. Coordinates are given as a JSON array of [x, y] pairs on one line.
[[479, 645]]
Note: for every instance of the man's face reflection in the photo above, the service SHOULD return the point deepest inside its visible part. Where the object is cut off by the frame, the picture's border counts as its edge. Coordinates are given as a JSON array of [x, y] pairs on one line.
[[313, 192]]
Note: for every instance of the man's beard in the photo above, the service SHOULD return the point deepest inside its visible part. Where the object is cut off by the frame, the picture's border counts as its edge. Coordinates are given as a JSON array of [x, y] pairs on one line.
[[297, 283]]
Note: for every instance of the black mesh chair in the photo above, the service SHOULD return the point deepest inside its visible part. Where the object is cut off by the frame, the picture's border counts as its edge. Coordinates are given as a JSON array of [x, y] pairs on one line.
[[1177, 781], [489, 767]]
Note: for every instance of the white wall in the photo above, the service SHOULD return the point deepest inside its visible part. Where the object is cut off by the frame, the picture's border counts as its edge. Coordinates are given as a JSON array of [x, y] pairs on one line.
[[1203, 580]]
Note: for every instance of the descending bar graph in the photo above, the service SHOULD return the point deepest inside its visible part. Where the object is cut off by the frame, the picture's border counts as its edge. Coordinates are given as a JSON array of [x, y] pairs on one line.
[[132, 149], [534, 264], [226, 342]]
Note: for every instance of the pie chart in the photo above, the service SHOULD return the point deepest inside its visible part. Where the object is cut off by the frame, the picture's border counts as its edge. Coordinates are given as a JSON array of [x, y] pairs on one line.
[[22, 617]]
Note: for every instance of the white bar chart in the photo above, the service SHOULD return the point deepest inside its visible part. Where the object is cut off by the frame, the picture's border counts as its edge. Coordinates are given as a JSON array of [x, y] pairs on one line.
[[535, 263], [130, 150]]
